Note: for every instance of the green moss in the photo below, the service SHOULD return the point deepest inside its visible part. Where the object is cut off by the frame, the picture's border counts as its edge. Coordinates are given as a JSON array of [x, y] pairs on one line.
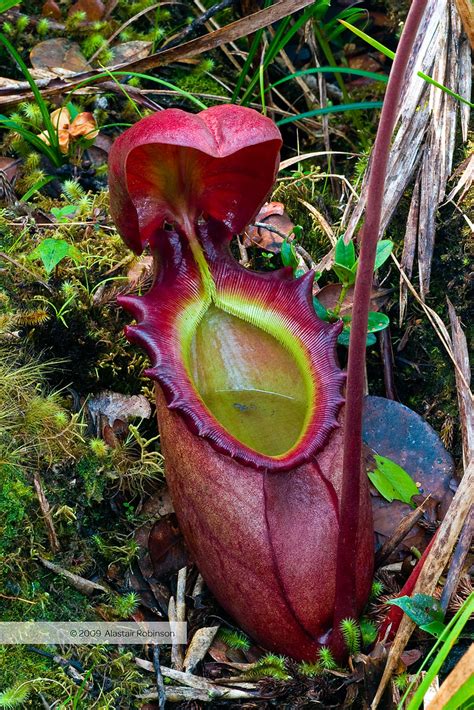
[[18, 664], [15, 498], [199, 83], [89, 469]]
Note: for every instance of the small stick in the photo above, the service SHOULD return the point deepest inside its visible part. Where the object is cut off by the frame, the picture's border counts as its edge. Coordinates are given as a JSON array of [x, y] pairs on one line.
[[435, 562], [17, 599], [298, 248], [46, 510], [386, 353], [455, 680], [199, 21], [84, 586], [20, 266], [180, 591], [159, 677], [176, 653], [244, 257], [457, 562], [400, 532]]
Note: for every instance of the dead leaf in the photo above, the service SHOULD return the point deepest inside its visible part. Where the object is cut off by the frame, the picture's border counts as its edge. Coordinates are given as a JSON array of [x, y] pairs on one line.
[[328, 296], [273, 214], [51, 9], [84, 124], [9, 166], [395, 431], [140, 270], [166, 547], [159, 504], [130, 51], [367, 62], [94, 9], [59, 52], [411, 656], [114, 405]]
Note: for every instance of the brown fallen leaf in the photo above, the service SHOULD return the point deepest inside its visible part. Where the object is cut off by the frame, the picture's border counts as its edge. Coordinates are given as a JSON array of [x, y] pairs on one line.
[[367, 62], [329, 295], [129, 52], [59, 52], [166, 547], [51, 9], [116, 406], [273, 214], [9, 166], [94, 9]]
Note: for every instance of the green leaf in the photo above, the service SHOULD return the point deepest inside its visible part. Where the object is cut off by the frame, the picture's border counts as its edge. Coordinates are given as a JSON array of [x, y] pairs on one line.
[[384, 249], [331, 70], [7, 5], [343, 338], [346, 276], [377, 321], [345, 253], [73, 110], [424, 610], [441, 648], [288, 254], [64, 214], [392, 481], [321, 311], [52, 251]]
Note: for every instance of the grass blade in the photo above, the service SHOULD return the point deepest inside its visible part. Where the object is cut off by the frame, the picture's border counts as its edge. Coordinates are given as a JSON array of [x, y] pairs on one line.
[[446, 640], [36, 187], [338, 108], [161, 82], [8, 4], [331, 70], [388, 53], [52, 133], [32, 138]]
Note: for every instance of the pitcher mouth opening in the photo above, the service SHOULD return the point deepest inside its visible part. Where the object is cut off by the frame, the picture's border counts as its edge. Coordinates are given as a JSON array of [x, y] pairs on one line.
[[250, 381]]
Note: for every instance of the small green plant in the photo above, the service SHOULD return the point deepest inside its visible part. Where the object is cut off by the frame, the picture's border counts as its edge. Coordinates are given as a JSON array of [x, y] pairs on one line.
[[345, 268], [52, 251], [270, 666], [377, 589], [124, 606], [14, 697], [310, 670], [351, 633], [234, 639], [326, 659], [401, 681], [368, 631]]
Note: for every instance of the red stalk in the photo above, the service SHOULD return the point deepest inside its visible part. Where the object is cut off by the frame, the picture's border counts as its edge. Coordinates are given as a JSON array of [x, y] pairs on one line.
[[349, 506]]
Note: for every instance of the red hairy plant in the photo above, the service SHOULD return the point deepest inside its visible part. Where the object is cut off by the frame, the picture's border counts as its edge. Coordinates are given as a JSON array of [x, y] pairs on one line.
[[248, 387]]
